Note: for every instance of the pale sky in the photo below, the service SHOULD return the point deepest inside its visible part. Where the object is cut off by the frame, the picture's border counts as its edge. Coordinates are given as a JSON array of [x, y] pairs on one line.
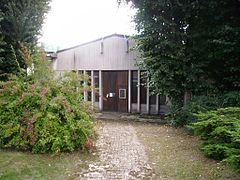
[[72, 22]]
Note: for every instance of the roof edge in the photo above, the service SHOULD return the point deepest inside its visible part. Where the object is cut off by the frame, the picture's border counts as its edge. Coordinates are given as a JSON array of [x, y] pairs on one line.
[[105, 37]]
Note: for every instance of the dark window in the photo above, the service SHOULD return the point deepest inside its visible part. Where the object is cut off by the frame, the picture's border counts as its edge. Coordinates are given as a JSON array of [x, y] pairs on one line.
[[162, 100], [143, 89], [96, 85], [122, 93], [89, 93], [153, 99], [80, 74], [134, 83]]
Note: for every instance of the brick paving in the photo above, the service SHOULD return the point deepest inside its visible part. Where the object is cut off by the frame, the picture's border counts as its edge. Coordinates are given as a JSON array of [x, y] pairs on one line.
[[121, 155]]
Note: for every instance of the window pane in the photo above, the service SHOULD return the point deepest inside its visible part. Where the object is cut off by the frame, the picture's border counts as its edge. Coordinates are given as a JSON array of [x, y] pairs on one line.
[[162, 100], [153, 99], [89, 93], [143, 89], [96, 85], [80, 74], [134, 79]]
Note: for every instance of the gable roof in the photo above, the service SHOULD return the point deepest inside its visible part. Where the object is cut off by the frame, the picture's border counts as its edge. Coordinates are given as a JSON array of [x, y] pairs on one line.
[[99, 39]]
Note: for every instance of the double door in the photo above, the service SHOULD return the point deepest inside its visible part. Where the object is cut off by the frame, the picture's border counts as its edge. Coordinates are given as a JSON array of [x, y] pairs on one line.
[[115, 91]]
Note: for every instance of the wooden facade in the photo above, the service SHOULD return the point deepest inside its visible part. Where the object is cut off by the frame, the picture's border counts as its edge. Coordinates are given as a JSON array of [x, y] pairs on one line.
[[110, 63], [115, 90]]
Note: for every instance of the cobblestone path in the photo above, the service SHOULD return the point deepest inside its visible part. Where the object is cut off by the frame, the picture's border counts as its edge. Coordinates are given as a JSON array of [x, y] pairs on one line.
[[121, 155]]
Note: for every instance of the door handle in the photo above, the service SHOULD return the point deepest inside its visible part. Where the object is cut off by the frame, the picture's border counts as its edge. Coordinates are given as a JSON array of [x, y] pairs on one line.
[[110, 95]]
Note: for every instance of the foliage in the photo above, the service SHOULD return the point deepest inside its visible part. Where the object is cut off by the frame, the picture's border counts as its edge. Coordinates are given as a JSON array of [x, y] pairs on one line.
[[189, 45], [220, 132], [230, 99], [181, 116], [1, 39], [180, 157], [20, 27], [42, 114], [162, 41], [214, 43]]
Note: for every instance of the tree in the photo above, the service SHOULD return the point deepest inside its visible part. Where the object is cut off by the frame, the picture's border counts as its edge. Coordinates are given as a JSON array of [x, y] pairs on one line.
[[214, 27], [189, 45], [21, 27], [1, 38], [163, 41]]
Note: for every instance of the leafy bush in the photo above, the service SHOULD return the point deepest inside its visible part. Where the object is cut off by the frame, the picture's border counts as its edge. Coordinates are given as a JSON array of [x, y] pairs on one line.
[[230, 99], [44, 114], [185, 115], [179, 117], [220, 132]]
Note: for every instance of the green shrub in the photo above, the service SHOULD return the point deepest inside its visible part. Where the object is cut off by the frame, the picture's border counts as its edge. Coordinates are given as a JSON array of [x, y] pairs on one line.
[[185, 115], [230, 99], [44, 114], [220, 132], [179, 117]]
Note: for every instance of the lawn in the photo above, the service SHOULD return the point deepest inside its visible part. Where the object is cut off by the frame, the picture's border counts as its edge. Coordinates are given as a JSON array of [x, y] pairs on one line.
[[18, 165]]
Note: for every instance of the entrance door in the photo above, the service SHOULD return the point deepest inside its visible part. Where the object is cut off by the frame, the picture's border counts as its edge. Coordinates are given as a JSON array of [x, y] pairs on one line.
[[115, 91]]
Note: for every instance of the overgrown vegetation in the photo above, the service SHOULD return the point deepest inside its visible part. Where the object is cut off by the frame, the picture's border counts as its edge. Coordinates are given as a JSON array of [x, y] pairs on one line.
[[216, 119], [193, 46], [189, 45], [220, 132], [20, 26], [40, 113], [181, 116]]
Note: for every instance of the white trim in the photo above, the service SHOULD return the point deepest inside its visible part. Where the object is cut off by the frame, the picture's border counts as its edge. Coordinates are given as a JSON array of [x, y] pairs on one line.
[[157, 104], [100, 91], [129, 91], [92, 88], [138, 93], [124, 94]]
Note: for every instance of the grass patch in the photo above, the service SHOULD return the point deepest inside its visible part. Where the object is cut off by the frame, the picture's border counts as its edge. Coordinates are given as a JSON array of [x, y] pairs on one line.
[[175, 155], [22, 165]]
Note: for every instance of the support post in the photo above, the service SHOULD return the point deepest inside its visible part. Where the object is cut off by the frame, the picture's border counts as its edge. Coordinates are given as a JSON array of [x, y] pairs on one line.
[[129, 92], [100, 91], [157, 104], [92, 88]]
